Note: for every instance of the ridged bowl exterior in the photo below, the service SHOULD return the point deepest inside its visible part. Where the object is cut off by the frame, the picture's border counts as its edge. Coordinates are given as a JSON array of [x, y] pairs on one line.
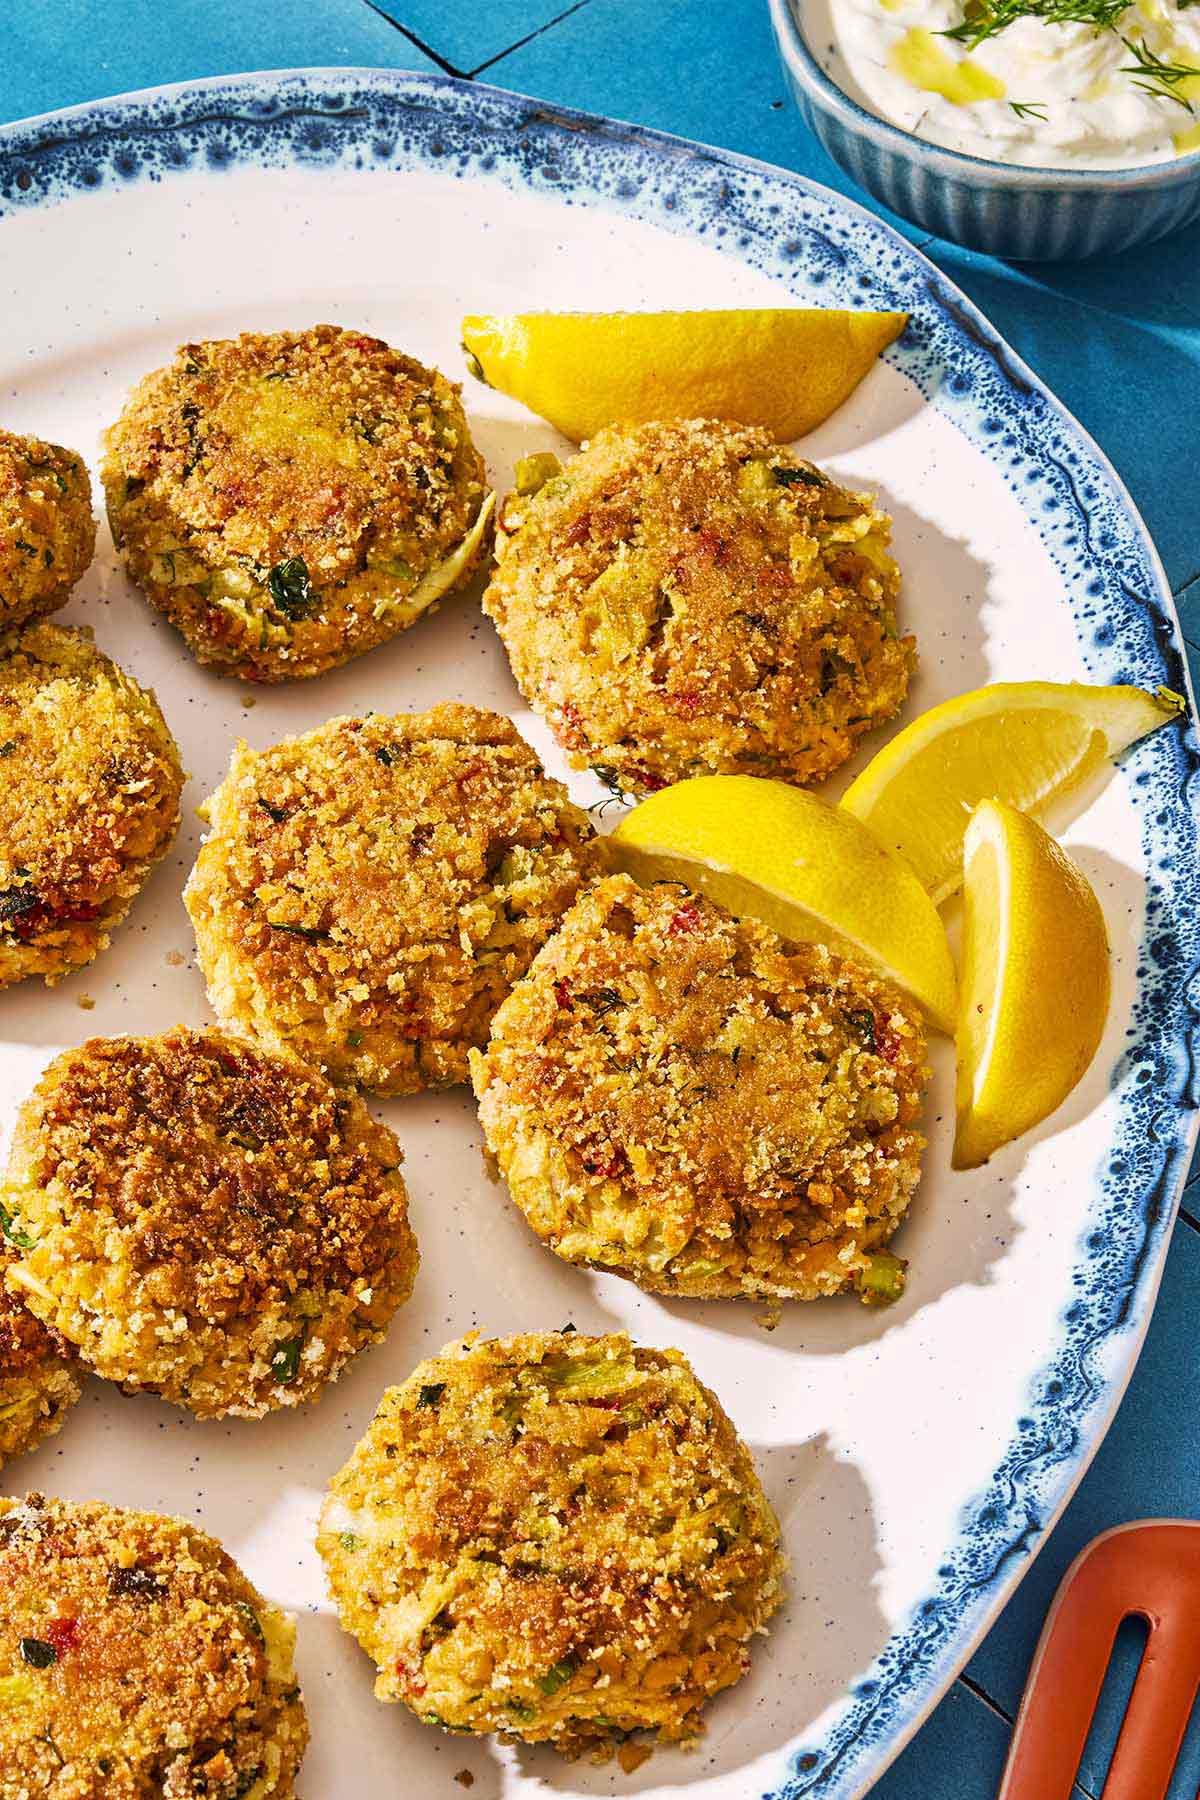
[[1024, 214]]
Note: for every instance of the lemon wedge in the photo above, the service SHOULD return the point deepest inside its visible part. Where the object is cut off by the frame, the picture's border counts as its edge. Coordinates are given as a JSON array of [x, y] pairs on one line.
[[786, 368], [1024, 742], [1035, 982], [812, 872]]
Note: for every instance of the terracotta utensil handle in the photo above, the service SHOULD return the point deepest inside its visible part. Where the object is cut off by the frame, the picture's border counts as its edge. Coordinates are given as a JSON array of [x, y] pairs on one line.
[[1150, 1570]]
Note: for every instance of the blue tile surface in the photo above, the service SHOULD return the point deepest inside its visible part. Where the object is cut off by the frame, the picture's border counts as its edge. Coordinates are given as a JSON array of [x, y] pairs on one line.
[[1119, 342], [58, 52], [958, 1755], [1148, 1466]]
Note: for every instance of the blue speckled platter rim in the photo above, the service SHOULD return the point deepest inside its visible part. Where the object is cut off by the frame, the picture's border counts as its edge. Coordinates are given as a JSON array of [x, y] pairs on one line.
[[817, 243]]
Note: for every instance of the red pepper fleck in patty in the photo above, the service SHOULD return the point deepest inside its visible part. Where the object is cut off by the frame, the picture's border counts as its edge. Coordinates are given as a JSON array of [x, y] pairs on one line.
[[686, 920], [62, 1634]]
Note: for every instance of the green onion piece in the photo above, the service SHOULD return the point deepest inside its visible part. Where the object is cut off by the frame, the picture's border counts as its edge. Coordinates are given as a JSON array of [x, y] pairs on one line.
[[431, 1393], [883, 1280], [37, 1654], [252, 1621], [13, 1232], [533, 472], [584, 1375], [558, 1676]]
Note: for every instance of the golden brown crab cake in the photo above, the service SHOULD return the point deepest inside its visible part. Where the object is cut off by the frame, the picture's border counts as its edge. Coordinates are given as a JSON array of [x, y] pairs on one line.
[[292, 499], [38, 1383], [90, 780], [678, 1096], [370, 891], [555, 1537], [137, 1662], [206, 1221], [690, 598], [47, 532]]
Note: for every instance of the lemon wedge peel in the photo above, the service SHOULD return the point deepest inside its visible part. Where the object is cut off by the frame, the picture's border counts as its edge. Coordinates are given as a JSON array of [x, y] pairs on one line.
[[785, 368], [773, 852], [1027, 743], [1035, 981]]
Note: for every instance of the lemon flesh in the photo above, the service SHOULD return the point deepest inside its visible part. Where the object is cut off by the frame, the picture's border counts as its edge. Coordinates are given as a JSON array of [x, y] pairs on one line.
[[784, 368], [1034, 981], [772, 852], [1023, 742]]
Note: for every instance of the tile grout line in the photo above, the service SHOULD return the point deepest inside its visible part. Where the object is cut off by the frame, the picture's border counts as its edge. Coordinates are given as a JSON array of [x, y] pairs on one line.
[[529, 37], [980, 1693], [446, 67]]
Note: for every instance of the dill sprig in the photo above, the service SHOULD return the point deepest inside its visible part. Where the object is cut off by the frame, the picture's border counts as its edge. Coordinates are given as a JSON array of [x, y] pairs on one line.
[[1155, 76], [1029, 109], [983, 19]]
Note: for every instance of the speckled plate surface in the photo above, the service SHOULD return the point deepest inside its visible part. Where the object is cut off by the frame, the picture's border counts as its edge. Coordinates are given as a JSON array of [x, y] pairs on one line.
[[915, 1456]]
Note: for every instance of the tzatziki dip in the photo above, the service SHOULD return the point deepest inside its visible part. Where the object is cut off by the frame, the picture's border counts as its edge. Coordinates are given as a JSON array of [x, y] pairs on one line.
[[1056, 83]]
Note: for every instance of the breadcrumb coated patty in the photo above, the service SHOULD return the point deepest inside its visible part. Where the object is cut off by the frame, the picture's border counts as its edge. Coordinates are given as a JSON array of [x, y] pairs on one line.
[[679, 1096], [206, 1221], [138, 1663], [691, 598], [38, 1384], [370, 891], [90, 780], [291, 499], [555, 1537], [47, 532]]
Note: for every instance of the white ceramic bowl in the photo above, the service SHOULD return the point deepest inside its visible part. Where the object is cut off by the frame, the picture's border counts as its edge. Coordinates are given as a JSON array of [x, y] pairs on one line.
[[1028, 214]]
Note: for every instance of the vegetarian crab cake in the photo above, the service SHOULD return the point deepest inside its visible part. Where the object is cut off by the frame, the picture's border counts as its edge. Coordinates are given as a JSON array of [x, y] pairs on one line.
[[555, 1537], [37, 1383], [289, 501], [47, 532], [90, 780], [137, 1661], [689, 598], [370, 891], [679, 1096], [205, 1221]]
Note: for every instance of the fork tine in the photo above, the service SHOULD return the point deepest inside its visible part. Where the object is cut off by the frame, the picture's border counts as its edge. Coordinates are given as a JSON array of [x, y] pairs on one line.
[[1155, 1721], [1150, 1568]]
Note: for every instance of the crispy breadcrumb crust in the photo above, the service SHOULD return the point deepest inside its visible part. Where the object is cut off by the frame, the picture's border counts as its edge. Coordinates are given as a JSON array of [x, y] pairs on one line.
[[370, 891], [38, 1384], [90, 780], [138, 1663], [282, 497], [554, 1537], [691, 598], [678, 1096], [47, 532], [205, 1220]]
